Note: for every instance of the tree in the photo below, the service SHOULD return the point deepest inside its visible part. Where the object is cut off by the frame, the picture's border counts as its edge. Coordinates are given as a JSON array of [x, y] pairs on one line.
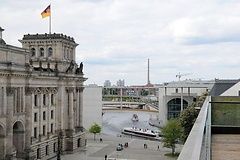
[[95, 128], [171, 134], [189, 115], [187, 119]]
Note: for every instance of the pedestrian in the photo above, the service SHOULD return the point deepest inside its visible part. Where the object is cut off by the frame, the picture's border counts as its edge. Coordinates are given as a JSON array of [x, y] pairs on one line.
[[158, 148], [105, 157], [145, 145], [100, 139]]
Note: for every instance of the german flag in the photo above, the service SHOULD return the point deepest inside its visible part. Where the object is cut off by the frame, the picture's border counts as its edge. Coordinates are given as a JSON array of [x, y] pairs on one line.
[[46, 12]]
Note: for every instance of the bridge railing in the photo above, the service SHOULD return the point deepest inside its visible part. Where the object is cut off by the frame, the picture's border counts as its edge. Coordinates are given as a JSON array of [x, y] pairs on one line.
[[198, 143]]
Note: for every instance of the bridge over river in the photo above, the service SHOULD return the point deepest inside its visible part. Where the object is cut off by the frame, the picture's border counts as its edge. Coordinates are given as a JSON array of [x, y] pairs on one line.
[[130, 105]]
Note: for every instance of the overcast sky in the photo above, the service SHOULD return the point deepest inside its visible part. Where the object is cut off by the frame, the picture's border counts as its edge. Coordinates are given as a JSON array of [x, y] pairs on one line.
[[117, 37]]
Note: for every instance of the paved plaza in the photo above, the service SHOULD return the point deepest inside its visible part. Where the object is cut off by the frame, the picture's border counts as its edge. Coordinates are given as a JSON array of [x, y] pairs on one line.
[[113, 122], [97, 150]]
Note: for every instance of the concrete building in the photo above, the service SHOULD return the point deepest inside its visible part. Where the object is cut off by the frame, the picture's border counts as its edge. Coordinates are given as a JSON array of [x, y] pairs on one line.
[[121, 83], [41, 95], [175, 96], [107, 83], [92, 99]]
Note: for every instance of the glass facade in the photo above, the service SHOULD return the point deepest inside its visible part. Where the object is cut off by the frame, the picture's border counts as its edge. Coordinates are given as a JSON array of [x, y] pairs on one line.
[[174, 107]]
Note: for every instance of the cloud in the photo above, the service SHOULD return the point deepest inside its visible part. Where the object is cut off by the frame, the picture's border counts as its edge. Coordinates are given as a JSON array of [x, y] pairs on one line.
[[116, 37]]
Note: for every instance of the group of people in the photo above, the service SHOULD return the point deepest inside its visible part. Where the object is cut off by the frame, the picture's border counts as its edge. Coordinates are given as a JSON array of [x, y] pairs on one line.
[[145, 146]]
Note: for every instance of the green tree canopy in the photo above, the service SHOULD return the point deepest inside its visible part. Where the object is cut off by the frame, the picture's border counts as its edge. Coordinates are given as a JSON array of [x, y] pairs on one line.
[[187, 119], [171, 134], [95, 128], [189, 115]]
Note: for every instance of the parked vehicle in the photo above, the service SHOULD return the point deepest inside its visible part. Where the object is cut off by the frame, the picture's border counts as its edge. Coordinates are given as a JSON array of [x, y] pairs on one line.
[[119, 147]]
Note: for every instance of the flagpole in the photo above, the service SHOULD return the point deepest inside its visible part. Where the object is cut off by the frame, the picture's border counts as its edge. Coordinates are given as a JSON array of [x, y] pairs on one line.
[[50, 19]]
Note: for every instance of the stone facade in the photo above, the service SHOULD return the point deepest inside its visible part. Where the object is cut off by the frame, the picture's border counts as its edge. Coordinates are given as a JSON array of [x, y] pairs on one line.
[[41, 95]]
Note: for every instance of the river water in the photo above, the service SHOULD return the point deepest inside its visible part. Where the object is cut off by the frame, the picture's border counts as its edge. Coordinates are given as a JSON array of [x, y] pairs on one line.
[[114, 121]]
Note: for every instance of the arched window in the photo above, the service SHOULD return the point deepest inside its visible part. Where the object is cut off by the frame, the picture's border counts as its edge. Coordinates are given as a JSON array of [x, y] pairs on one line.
[[41, 52], [50, 51], [46, 149], [55, 147], [33, 52], [38, 153], [174, 107], [79, 142]]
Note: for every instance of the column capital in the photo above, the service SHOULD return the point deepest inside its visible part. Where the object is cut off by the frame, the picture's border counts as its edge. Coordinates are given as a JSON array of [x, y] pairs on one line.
[[10, 91], [79, 89], [53, 90], [70, 89], [29, 90]]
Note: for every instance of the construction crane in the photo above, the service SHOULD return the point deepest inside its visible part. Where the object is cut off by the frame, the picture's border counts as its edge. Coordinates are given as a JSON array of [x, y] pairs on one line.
[[180, 75]]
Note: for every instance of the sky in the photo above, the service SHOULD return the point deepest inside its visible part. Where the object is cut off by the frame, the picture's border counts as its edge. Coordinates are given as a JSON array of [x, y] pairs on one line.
[[199, 39]]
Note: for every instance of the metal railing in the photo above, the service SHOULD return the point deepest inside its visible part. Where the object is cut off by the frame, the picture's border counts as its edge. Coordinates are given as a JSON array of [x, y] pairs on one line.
[[198, 143]]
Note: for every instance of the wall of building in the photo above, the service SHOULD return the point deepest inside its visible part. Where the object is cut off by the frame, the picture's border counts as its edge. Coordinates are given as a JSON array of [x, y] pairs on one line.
[[41, 106], [92, 106], [188, 91]]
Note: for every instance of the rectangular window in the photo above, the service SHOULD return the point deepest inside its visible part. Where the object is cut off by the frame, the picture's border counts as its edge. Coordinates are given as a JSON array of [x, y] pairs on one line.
[[52, 99], [46, 149], [35, 117], [35, 132], [52, 114], [55, 147], [176, 90], [44, 99], [44, 130], [52, 128], [35, 100], [44, 115]]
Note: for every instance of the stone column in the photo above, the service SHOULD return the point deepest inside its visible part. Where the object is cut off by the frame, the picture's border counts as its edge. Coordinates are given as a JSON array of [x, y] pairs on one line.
[[60, 97], [81, 106], [70, 108], [29, 154], [77, 106], [162, 113], [40, 106], [48, 95], [10, 149]]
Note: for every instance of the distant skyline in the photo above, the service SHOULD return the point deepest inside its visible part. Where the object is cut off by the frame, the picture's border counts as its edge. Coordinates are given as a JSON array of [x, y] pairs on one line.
[[117, 37]]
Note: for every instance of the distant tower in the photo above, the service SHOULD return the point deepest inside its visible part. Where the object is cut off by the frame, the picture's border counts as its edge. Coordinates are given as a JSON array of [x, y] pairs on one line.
[[148, 80]]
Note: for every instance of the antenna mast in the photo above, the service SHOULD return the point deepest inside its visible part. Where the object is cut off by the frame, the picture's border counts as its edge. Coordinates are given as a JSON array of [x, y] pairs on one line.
[[148, 80]]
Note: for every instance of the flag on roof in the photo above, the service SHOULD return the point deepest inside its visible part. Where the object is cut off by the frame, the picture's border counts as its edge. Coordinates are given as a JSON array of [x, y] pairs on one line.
[[46, 12]]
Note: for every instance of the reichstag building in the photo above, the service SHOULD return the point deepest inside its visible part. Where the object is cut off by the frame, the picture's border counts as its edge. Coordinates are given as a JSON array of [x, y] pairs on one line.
[[41, 97]]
